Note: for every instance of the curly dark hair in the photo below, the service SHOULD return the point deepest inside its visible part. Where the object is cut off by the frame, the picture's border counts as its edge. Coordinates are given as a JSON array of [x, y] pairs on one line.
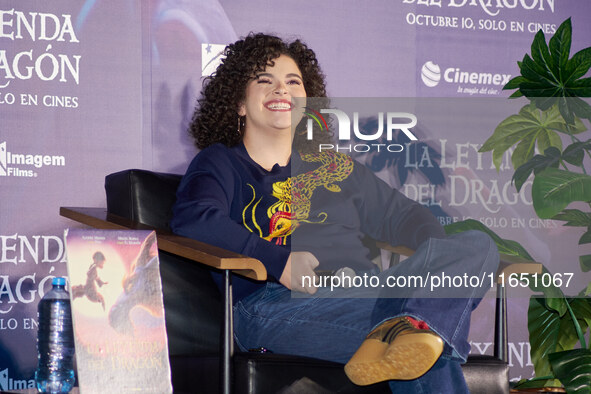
[[215, 118]]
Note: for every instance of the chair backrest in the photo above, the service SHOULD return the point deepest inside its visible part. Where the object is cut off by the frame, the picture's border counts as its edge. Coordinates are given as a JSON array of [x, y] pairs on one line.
[[192, 301], [143, 196]]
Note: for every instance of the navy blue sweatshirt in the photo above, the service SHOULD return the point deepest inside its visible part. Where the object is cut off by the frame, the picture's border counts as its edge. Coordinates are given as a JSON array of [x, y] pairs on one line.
[[325, 203]]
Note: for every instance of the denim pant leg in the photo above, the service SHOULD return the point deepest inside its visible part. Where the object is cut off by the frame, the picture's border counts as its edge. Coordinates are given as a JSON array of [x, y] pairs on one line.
[[446, 309], [323, 327], [319, 328], [332, 324]]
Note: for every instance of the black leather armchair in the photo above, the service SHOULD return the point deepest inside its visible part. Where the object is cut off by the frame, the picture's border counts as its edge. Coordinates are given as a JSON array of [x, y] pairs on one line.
[[199, 318]]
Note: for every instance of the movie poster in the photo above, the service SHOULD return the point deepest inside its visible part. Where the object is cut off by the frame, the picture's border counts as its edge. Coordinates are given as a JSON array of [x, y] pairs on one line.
[[117, 309]]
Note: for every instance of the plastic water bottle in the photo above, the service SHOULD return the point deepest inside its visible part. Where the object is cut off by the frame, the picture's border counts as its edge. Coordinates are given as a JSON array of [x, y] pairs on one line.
[[55, 341]]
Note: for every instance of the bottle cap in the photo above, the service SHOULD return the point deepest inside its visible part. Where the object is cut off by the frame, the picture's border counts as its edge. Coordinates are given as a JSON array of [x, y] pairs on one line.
[[59, 281]]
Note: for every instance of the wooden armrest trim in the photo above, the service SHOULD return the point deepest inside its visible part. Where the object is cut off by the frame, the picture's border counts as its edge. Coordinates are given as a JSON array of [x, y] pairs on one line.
[[508, 264], [243, 265], [399, 249], [181, 246], [516, 265]]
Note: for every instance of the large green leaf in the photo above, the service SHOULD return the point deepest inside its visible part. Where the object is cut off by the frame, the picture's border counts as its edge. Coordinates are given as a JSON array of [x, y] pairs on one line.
[[554, 189], [581, 308], [549, 332], [585, 262], [553, 296], [578, 65], [505, 246], [550, 158], [528, 128], [571, 107], [538, 383], [575, 153], [574, 218], [549, 77], [573, 368], [586, 237], [560, 45]]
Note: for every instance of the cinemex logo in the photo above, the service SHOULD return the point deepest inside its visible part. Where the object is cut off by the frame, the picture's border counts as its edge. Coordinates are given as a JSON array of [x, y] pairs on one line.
[[432, 75], [18, 164], [402, 121]]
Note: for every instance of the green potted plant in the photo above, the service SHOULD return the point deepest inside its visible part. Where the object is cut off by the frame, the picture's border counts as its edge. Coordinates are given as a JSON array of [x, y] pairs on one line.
[[555, 120]]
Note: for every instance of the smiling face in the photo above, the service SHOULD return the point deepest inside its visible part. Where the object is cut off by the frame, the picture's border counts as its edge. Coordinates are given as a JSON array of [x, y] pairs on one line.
[[267, 105]]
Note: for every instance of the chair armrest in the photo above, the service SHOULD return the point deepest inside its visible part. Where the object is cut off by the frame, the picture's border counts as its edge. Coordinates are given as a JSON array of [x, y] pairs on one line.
[[191, 249], [508, 264], [399, 249]]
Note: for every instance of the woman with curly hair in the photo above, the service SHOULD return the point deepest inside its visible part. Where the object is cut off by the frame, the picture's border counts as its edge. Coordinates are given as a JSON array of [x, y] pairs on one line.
[[258, 182], [214, 120]]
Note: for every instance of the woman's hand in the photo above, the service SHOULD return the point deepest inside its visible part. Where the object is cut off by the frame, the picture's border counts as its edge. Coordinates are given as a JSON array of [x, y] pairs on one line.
[[300, 265]]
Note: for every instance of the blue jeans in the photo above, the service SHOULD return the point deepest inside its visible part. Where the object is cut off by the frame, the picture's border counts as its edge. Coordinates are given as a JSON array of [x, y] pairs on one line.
[[333, 323]]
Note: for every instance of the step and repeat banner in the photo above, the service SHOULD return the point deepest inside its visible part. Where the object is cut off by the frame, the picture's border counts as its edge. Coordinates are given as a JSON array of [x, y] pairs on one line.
[[92, 87]]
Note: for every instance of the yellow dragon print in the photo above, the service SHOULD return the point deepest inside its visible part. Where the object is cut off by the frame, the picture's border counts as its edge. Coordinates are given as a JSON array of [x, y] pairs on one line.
[[294, 194]]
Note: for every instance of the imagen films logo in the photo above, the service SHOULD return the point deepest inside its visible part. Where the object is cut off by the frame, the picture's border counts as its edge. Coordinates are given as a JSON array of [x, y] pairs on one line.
[[3, 163], [402, 121], [7, 383], [11, 164]]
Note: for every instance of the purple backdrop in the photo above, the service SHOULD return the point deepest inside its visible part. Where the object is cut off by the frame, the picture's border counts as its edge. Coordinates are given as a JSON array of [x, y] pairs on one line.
[[92, 87]]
